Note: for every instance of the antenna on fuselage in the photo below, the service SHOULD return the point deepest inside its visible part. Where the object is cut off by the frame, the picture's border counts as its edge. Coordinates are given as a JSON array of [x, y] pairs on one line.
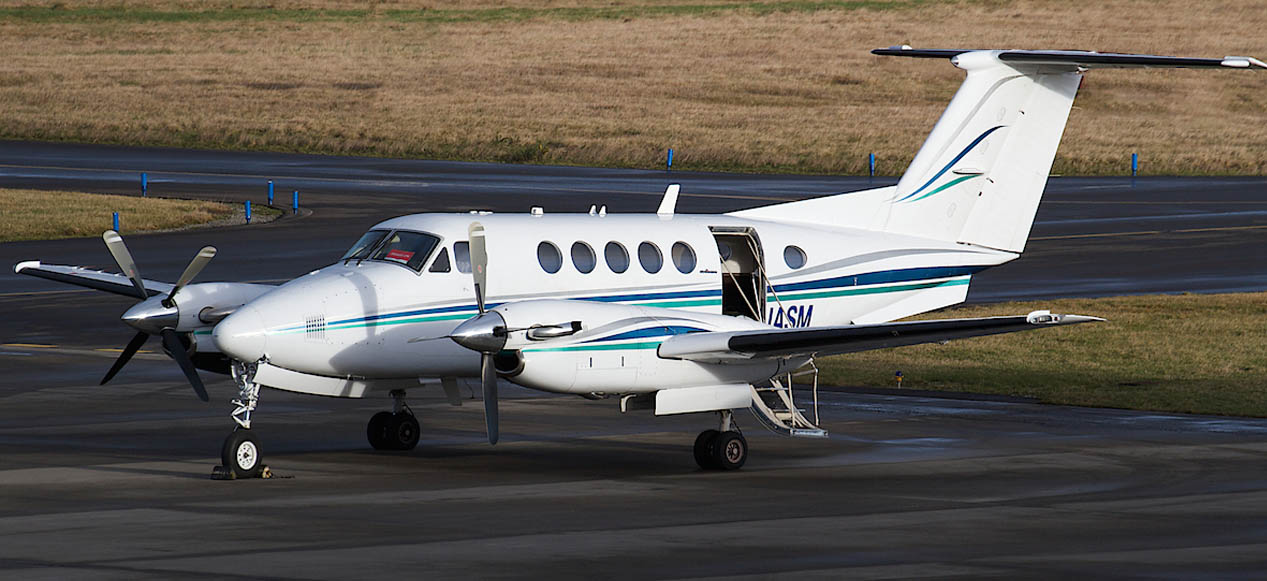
[[669, 203]]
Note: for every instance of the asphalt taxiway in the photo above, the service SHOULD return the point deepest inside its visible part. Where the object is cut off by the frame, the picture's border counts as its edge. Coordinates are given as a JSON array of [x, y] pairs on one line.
[[112, 482]]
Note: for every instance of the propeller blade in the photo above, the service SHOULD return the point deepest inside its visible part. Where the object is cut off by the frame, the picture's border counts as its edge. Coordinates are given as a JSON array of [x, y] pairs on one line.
[[126, 355], [488, 379], [119, 250], [172, 342], [479, 262], [195, 266]]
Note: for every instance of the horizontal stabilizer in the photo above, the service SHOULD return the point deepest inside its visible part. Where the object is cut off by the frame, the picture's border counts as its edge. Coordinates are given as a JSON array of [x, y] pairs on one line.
[[820, 341], [1080, 58]]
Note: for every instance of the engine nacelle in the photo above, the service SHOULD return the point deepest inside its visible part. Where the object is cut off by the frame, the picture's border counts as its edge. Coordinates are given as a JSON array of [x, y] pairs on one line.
[[585, 347]]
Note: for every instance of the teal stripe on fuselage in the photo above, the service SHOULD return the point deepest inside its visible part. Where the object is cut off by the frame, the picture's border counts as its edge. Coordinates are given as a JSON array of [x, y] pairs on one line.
[[600, 347], [463, 312], [867, 291]]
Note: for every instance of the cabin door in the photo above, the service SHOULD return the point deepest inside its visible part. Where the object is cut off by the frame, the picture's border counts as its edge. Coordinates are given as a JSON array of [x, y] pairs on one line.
[[742, 272]]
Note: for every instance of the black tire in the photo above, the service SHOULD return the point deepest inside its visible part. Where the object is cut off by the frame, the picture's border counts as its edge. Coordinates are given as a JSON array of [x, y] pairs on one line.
[[242, 454], [402, 432], [376, 431], [730, 451], [704, 449]]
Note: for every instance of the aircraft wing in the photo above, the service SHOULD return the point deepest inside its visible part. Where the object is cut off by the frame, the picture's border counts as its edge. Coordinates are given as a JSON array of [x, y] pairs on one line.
[[818, 341], [95, 279]]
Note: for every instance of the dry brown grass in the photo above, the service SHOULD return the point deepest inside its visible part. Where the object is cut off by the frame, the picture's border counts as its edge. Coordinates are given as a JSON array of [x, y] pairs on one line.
[[42, 215], [1185, 353], [737, 88]]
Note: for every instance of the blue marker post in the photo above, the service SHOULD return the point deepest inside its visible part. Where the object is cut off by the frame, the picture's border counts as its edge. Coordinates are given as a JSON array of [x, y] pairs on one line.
[[871, 164], [145, 184], [294, 202], [1134, 164], [668, 166], [248, 211], [270, 192], [116, 222]]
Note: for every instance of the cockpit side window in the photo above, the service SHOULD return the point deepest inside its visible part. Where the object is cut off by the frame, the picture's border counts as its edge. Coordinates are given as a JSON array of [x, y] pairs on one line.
[[462, 256], [365, 245], [408, 248], [442, 262]]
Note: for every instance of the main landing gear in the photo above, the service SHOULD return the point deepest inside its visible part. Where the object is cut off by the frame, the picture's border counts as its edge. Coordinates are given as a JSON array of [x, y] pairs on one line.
[[241, 455], [394, 430], [722, 449]]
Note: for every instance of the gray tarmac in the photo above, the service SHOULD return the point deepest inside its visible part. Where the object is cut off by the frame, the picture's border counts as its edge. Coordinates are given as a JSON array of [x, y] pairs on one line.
[[112, 482]]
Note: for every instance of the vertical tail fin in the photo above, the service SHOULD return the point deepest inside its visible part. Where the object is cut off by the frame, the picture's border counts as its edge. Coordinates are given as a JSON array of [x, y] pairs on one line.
[[980, 174]]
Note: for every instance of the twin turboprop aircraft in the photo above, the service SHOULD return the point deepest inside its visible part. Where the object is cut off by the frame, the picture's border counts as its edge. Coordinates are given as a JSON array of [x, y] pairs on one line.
[[673, 313]]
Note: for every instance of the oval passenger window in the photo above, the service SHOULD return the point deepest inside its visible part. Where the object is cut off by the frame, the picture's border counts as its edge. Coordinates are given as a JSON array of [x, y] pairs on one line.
[[583, 257], [617, 257], [650, 257], [550, 258], [723, 249], [794, 257], [683, 257]]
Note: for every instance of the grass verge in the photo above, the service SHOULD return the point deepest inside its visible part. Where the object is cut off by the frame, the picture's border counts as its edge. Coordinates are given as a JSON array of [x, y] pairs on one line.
[[783, 86], [45, 215], [1175, 353]]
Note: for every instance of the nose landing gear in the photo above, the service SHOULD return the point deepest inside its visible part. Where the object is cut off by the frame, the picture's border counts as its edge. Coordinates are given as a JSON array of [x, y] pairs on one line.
[[394, 430], [722, 449], [242, 455]]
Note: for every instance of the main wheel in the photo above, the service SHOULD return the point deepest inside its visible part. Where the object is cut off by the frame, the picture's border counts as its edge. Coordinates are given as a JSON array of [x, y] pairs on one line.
[[402, 431], [730, 451], [241, 454], [376, 431], [704, 449]]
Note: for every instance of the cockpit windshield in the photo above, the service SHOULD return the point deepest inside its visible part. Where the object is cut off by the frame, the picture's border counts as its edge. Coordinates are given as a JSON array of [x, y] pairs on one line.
[[362, 248], [408, 248]]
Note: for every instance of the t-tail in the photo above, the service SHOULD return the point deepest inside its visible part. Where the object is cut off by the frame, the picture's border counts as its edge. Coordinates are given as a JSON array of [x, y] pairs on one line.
[[979, 176]]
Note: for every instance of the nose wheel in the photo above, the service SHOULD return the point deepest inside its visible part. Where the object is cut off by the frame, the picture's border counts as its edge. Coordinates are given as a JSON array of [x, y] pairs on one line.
[[241, 454]]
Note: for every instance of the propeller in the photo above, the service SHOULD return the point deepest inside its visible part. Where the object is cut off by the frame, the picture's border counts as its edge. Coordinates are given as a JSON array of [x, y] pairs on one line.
[[156, 317], [483, 333], [487, 331]]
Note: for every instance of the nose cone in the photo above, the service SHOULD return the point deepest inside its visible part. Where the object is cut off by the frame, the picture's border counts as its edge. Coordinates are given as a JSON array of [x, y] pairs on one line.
[[241, 335], [485, 333]]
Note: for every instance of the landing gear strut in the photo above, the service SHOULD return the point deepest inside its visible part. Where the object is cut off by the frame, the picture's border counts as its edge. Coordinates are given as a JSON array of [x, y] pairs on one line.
[[724, 448], [241, 454], [394, 430]]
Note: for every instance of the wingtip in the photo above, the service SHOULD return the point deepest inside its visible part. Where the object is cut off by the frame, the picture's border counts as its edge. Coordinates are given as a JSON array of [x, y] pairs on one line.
[[19, 267], [1243, 62], [1075, 319], [1050, 318]]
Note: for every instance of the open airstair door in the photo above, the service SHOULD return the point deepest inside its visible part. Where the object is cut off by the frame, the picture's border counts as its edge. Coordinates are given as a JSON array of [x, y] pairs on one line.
[[742, 272]]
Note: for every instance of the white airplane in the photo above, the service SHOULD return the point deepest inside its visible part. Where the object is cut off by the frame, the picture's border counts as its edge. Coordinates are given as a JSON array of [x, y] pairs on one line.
[[675, 313]]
